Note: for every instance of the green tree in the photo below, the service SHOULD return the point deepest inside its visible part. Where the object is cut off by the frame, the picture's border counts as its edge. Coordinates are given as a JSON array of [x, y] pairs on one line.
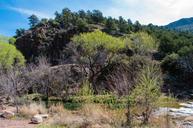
[[19, 32], [97, 16], [143, 43], [96, 50], [147, 91], [33, 20], [110, 25], [137, 26], [10, 56], [123, 26], [82, 14]]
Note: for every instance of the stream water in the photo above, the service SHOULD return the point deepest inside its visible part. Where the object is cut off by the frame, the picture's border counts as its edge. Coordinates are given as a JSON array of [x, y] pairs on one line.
[[182, 115]]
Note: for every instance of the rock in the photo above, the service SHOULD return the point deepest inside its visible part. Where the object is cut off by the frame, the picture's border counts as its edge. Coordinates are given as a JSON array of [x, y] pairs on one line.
[[8, 114], [190, 118], [44, 116], [37, 119]]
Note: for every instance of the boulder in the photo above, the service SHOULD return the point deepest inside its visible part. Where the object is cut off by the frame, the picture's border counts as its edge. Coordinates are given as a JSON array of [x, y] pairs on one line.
[[189, 118], [44, 116], [37, 119], [8, 114]]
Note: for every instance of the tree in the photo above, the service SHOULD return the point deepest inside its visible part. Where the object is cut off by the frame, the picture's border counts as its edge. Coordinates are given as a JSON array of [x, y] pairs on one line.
[[82, 14], [44, 80], [10, 56], [13, 83], [143, 43], [33, 20], [130, 25], [123, 26], [147, 91], [19, 32], [110, 25], [96, 50], [97, 16], [137, 26]]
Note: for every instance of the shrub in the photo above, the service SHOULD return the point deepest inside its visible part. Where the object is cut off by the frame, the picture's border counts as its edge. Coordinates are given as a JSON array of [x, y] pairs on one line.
[[169, 62], [58, 108], [143, 43], [10, 56], [86, 89], [96, 114], [32, 109], [147, 90]]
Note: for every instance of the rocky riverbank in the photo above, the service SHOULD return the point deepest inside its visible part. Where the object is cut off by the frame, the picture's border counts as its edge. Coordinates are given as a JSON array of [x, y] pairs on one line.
[[182, 116]]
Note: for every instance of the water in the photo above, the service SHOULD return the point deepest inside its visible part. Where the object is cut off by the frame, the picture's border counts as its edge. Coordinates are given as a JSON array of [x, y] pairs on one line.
[[180, 114]]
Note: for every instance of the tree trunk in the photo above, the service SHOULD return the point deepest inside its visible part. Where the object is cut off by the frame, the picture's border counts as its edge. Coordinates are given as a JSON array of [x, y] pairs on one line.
[[128, 115]]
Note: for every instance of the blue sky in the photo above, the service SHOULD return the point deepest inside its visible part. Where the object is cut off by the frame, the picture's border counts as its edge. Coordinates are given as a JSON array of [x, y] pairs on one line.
[[14, 13]]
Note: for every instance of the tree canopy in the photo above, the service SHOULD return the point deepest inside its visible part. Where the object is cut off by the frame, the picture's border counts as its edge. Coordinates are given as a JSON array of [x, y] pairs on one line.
[[10, 56]]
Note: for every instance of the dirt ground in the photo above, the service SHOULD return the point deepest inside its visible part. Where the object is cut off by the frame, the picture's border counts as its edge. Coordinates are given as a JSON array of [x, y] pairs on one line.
[[4, 123], [14, 123]]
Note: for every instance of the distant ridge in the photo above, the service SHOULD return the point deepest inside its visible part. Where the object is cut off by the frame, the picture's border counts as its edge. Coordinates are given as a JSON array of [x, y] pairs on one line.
[[185, 24]]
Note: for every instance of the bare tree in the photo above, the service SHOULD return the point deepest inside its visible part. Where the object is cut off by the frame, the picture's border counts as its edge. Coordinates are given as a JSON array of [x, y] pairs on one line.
[[13, 83], [49, 80]]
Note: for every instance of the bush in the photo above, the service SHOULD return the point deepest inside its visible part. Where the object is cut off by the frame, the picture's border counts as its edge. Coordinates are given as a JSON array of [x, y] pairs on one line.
[[10, 56], [32, 109], [169, 62], [147, 90], [142, 43], [86, 89], [58, 108]]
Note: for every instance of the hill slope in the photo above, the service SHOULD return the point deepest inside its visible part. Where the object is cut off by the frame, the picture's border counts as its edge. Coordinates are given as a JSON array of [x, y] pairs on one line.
[[185, 24], [4, 39]]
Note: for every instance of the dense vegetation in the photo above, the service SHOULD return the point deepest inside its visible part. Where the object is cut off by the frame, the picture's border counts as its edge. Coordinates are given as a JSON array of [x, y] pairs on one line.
[[84, 57], [52, 38], [10, 56]]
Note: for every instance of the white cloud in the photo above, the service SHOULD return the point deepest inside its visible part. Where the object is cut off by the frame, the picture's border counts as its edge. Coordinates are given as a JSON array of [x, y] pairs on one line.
[[29, 12], [158, 12]]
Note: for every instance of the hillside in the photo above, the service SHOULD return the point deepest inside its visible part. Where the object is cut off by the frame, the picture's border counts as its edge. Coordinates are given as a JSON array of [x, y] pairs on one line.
[[185, 24], [4, 38], [85, 70]]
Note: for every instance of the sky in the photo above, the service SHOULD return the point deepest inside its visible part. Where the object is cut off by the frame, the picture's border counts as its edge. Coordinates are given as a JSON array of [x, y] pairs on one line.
[[14, 13]]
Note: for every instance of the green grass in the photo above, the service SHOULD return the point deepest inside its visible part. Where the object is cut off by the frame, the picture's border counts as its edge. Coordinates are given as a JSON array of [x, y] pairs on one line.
[[167, 101]]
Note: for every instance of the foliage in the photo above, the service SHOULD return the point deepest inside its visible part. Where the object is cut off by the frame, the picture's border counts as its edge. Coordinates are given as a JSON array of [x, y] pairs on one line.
[[169, 62], [52, 38], [186, 50], [10, 56], [33, 20], [110, 100], [147, 90], [110, 25], [86, 89], [91, 42], [19, 32], [12, 41], [143, 43], [97, 50]]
